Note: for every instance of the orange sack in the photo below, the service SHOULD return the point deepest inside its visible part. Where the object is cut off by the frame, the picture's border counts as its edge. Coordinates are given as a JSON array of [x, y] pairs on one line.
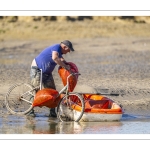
[[46, 97], [64, 74]]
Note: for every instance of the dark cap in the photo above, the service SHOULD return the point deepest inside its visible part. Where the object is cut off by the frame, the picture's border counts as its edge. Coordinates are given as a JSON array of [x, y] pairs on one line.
[[69, 44]]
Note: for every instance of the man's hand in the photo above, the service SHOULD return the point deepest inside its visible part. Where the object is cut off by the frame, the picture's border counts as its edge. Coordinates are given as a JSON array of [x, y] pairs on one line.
[[68, 67]]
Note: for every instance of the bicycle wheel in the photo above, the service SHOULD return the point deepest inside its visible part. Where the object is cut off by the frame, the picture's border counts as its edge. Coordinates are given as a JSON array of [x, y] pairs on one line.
[[71, 107], [19, 98]]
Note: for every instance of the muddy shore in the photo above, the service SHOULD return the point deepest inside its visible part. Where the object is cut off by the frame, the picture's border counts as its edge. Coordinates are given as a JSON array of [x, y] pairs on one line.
[[112, 60]]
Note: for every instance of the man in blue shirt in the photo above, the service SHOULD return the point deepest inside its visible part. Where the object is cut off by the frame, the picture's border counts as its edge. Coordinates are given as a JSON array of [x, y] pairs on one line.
[[47, 60]]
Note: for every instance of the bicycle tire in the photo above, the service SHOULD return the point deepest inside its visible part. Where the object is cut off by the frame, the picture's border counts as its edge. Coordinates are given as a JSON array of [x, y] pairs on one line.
[[19, 98], [70, 113]]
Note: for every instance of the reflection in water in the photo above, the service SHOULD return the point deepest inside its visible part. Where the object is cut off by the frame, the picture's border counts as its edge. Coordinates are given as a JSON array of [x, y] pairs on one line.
[[53, 126], [100, 127], [41, 125], [70, 128], [12, 124]]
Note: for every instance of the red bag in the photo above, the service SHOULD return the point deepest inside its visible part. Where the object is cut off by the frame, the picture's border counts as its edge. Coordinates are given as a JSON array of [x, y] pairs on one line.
[[72, 79], [46, 97]]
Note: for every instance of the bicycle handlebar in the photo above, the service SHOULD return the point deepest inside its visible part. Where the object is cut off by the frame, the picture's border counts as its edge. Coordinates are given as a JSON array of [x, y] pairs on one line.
[[73, 74], [70, 76], [67, 85], [76, 73]]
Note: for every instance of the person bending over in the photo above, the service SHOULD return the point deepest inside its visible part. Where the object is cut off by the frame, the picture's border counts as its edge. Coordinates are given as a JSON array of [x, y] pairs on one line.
[[47, 60]]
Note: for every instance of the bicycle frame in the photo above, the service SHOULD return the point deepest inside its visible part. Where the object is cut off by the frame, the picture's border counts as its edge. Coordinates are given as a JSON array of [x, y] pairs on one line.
[[66, 87], [25, 92], [41, 80]]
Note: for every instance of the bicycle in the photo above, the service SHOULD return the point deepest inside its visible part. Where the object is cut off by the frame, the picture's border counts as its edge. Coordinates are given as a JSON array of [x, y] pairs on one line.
[[19, 100]]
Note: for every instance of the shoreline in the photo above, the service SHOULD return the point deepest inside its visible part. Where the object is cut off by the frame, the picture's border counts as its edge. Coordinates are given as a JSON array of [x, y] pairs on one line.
[[106, 64]]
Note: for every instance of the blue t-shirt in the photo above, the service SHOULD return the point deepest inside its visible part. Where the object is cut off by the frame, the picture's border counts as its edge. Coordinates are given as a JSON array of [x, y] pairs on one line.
[[44, 59]]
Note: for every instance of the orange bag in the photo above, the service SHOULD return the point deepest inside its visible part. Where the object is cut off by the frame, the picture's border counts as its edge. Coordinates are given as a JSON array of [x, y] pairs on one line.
[[46, 97], [64, 74]]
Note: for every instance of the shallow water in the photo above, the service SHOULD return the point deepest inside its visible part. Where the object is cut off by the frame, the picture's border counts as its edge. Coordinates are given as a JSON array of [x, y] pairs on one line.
[[41, 124]]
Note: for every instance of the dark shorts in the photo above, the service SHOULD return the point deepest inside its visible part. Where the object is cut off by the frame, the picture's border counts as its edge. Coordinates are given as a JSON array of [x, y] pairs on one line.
[[47, 79]]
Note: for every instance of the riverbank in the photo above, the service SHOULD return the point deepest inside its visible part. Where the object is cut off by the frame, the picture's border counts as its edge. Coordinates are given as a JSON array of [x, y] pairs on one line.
[[111, 57]]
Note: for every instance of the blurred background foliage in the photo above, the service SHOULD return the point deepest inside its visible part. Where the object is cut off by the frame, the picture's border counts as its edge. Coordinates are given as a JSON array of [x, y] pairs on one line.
[[72, 27]]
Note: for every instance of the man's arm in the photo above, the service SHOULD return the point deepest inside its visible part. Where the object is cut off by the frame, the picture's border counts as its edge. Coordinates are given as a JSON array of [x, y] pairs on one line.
[[59, 61], [63, 60]]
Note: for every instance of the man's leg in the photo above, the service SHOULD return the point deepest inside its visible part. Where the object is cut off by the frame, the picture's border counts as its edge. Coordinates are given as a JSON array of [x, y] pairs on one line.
[[35, 81], [35, 75], [48, 82]]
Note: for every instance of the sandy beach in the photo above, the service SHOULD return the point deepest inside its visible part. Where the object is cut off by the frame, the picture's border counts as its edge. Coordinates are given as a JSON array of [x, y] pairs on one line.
[[111, 57]]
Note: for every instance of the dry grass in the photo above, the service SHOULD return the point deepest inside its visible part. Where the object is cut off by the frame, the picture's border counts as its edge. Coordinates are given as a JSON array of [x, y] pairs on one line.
[[71, 30]]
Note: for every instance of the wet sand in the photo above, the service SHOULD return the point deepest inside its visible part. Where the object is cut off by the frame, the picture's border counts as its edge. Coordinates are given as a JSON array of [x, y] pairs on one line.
[[107, 65]]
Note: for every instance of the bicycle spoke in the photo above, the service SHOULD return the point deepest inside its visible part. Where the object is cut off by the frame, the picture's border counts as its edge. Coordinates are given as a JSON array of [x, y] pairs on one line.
[[70, 108], [26, 100], [19, 98]]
